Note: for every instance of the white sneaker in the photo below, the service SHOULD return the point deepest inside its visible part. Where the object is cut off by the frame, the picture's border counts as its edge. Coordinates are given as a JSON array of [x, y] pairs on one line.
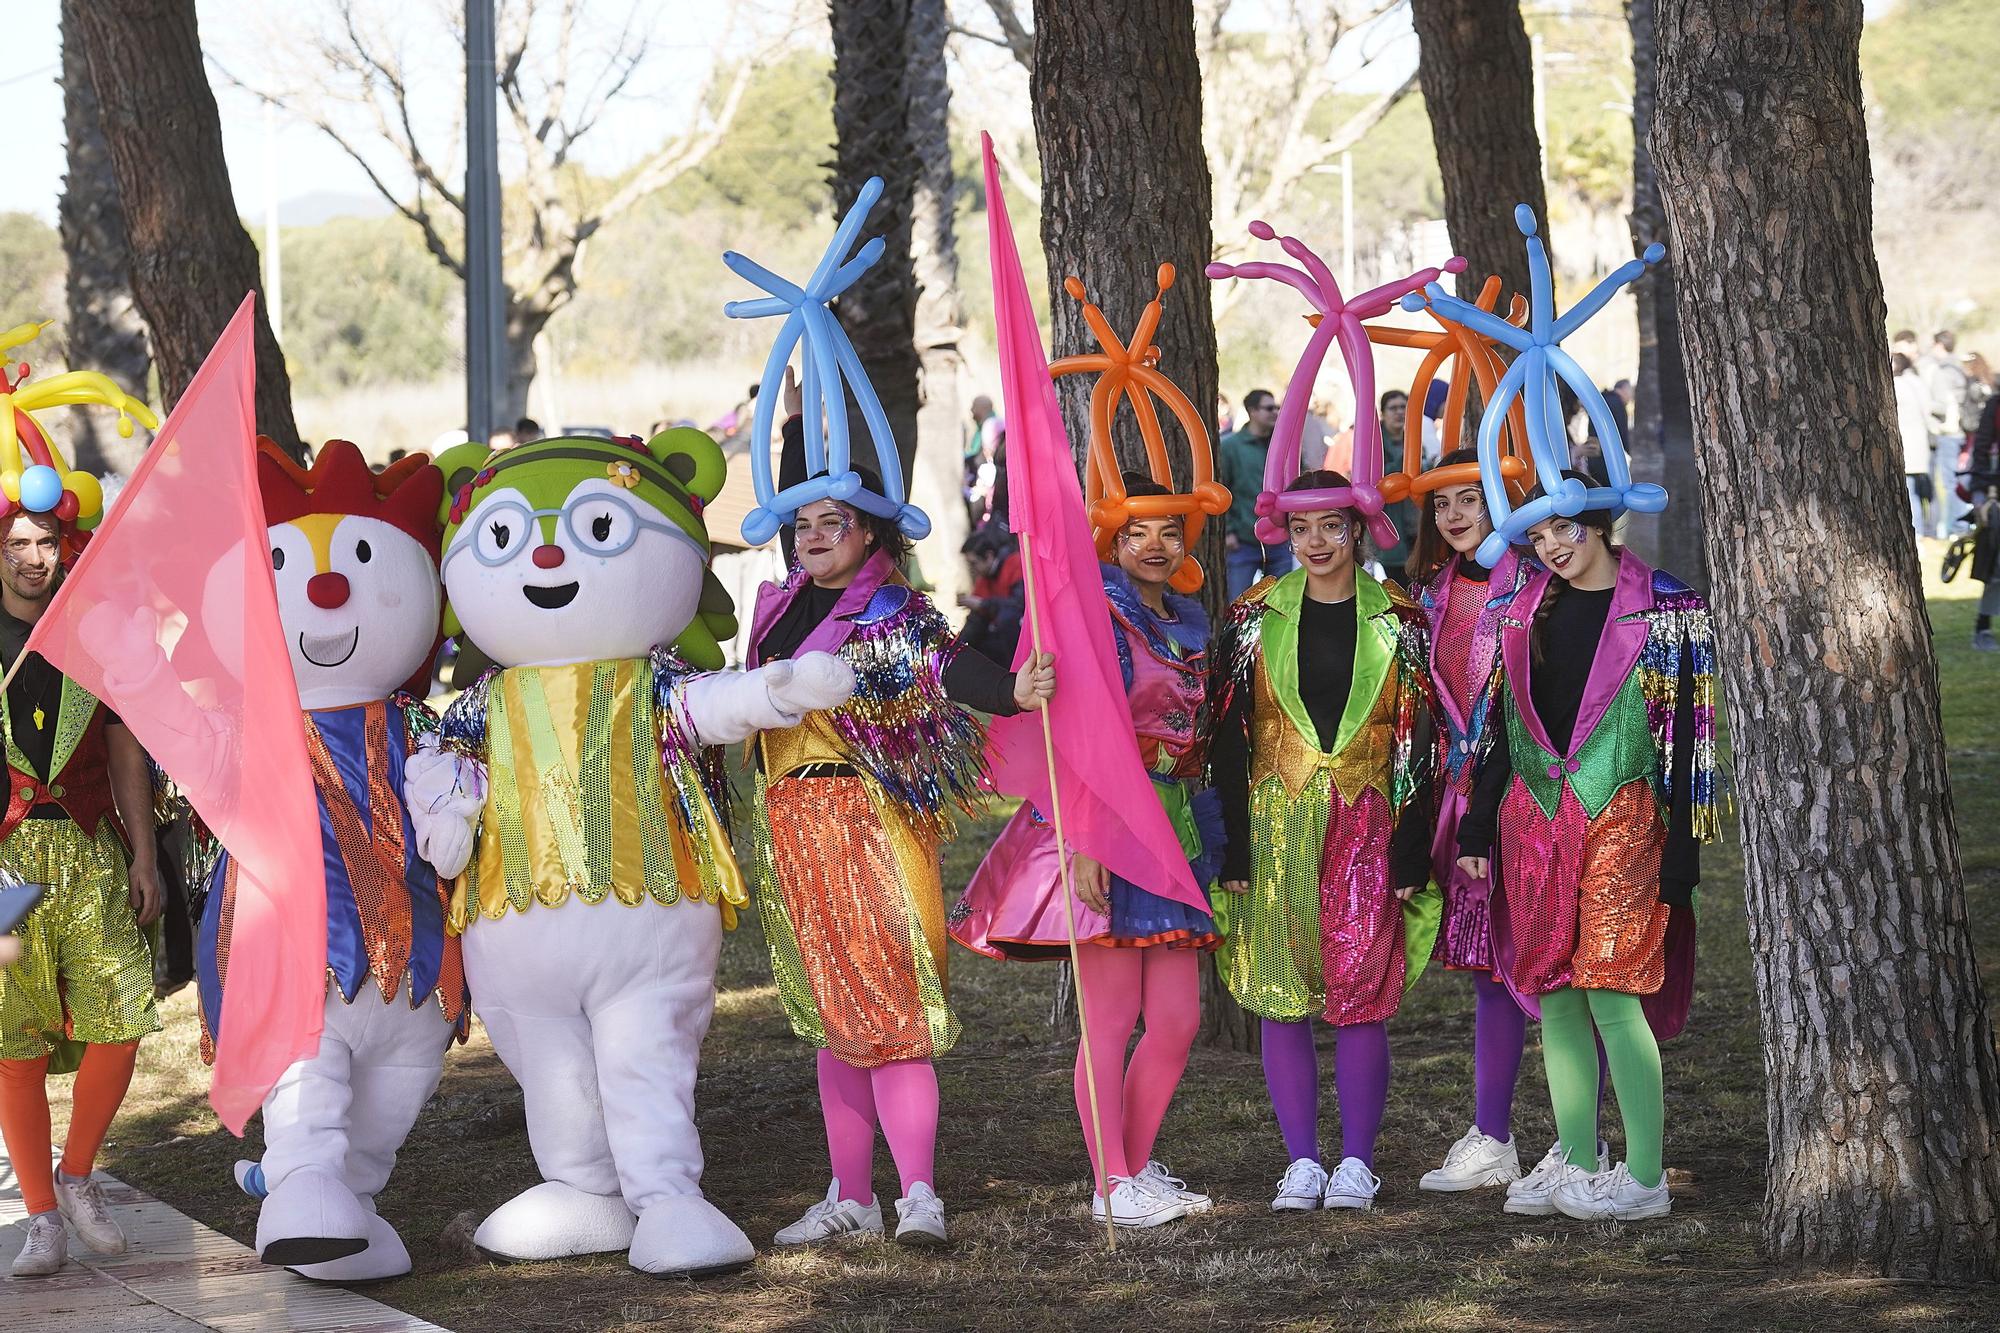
[[1352, 1185], [46, 1249], [1158, 1179], [1612, 1195], [83, 1207], [920, 1217], [1299, 1192], [1135, 1203], [1474, 1162], [830, 1217], [1533, 1195]]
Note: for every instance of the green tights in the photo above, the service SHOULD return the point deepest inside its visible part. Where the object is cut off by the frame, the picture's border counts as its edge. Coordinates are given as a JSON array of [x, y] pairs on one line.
[[1569, 1053]]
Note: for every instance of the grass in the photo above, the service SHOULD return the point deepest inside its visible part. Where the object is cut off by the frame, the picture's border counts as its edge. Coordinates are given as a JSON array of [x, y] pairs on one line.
[[1012, 1168]]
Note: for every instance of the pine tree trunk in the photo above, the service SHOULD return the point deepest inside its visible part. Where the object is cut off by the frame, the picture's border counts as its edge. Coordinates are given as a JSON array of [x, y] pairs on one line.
[[1479, 87], [1884, 1099], [939, 468], [1662, 427], [1117, 93], [871, 125], [104, 331], [524, 324], [192, 262]]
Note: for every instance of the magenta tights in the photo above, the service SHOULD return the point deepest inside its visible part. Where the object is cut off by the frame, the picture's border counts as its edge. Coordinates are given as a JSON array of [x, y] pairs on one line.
[[1119, 986], [902, 1096]]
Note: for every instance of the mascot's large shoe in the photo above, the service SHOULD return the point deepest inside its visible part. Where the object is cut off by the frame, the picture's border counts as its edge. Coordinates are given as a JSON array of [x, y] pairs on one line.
[[593, 904], [355, 557]]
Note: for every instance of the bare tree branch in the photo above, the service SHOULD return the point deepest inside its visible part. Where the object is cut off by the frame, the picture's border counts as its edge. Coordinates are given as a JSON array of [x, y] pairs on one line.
[[1015, 34]]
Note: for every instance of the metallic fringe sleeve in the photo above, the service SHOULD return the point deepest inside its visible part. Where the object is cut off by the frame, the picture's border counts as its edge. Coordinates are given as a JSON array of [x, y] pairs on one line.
[[463, 727], [419, 718], [1680, 623], [1413, 761], [689, 767], [1233, 668], [926, 752]]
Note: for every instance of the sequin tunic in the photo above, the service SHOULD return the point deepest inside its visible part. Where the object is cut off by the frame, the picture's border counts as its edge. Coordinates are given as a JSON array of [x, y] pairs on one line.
[[1601, 784]]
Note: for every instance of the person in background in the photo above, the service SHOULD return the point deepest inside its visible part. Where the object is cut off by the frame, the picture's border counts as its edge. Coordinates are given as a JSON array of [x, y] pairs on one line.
[[982, 461], [1225, 416], [527, 430], [1913, 427], [1904, 341], [994, 607], [1321, 424], [1241, 466], [1394, 414], [1983, 483], [1947, 384]]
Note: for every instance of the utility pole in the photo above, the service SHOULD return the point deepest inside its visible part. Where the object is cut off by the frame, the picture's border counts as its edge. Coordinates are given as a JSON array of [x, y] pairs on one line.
[[484, 294]]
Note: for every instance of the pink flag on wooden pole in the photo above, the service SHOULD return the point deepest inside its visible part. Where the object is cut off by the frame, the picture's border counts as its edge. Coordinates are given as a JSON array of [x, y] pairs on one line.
[[1109, 810], [171, 618]]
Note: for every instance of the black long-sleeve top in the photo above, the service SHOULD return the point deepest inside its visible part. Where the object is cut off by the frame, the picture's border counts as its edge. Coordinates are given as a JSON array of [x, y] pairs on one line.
[[1569, 648], [1327, 633]]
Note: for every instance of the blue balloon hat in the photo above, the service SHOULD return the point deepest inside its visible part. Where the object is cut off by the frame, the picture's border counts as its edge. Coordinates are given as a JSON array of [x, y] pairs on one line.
[[1541, 366], [832, 369]]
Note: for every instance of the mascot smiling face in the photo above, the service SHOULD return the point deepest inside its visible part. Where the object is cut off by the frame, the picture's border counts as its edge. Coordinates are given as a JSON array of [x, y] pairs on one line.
[[355, 557], [580, 550]]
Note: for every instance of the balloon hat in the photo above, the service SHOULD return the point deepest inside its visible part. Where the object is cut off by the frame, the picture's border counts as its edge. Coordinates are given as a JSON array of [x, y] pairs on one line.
[[1534, 377], [1339, 318], [41, 482], [831, 368], [1132, 371], [1475, 359]]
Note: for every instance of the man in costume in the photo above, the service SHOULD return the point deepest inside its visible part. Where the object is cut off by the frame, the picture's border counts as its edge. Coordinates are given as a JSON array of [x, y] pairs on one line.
[[593, 904], [80, 806]]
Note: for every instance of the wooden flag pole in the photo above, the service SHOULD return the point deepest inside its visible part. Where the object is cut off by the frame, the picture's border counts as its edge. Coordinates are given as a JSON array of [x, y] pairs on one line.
[[1069, 898]]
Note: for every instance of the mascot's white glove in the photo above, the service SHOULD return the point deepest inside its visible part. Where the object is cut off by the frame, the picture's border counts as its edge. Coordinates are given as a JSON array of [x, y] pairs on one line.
[[728, 706], [445, 793]]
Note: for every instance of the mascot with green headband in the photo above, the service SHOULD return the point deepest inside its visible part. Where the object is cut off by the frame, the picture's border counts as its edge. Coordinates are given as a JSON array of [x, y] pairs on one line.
[[578, 787]]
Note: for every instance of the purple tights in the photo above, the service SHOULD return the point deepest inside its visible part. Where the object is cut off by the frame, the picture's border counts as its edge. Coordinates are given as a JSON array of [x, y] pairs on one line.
[[1360, 1080], [1499, 1033]]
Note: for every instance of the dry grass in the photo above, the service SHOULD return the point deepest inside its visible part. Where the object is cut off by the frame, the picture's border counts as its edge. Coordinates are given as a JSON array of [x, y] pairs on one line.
[[1012, 1170]]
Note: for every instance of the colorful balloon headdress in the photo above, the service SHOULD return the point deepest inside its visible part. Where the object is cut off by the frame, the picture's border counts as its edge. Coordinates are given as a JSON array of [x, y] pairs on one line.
[[1338, 319], [1534, 378], [34, 478], [1473, 358], [831, 370], [1132, 371]]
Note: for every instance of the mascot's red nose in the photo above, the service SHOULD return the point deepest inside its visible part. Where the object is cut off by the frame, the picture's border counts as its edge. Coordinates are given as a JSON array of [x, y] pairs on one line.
[[327, 590], [548, 557]]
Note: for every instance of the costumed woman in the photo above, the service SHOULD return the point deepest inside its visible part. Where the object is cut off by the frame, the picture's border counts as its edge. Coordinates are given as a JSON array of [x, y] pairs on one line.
[[1323, 754], [1599, 785], [1141, 951], [1464, 601], [852, 804]]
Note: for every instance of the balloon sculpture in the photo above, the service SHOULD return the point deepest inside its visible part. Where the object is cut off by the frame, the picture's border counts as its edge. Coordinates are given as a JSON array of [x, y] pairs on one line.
[[1475, 359], [830, 367], [42, 483], [1132, 371], [1340, 319], [1534, 378]]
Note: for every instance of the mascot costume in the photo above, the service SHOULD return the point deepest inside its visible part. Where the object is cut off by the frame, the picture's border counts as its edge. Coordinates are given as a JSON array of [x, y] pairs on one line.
[[354, 555], [578, 786]]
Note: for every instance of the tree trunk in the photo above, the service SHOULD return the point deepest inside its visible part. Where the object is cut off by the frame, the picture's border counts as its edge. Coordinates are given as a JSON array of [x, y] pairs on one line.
[[192, 262], [1884, 1100], [105, 332], [1662, 427], [871, 126], [1125, 185], [524, 323], [1479, 88], [939, 465]]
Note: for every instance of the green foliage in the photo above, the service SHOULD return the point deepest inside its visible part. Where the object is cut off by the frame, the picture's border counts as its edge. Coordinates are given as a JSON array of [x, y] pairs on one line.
[[365, 303], [1929, 65], [31, 270]]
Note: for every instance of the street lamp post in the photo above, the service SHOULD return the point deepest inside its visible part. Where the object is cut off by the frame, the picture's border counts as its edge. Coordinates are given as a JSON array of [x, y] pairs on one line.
[[485, 296]]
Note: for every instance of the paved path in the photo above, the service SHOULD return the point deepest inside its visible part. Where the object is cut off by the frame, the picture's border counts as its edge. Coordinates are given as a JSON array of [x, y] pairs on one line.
[[177, 1277]]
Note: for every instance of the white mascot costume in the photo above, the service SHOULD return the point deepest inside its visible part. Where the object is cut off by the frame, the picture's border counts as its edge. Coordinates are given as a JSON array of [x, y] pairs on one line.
[[355, 556], [594, 900]]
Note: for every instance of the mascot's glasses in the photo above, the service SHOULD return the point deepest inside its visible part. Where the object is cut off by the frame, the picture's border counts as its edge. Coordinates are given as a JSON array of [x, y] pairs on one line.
[[600, 525]]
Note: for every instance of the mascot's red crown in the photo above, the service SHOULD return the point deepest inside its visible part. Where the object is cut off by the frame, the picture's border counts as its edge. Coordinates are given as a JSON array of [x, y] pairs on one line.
[[406, 495]]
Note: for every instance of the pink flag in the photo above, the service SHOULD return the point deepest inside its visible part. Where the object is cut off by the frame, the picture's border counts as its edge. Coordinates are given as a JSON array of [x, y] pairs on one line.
[[1109, 810], [171, 618]]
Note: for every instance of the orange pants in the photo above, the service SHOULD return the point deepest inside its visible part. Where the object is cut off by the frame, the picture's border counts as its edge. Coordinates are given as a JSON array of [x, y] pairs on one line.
[[24, 1117]]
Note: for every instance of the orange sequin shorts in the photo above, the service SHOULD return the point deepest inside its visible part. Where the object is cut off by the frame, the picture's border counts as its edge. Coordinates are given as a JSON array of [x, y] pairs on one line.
[[853, 913], [1582, 895]]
